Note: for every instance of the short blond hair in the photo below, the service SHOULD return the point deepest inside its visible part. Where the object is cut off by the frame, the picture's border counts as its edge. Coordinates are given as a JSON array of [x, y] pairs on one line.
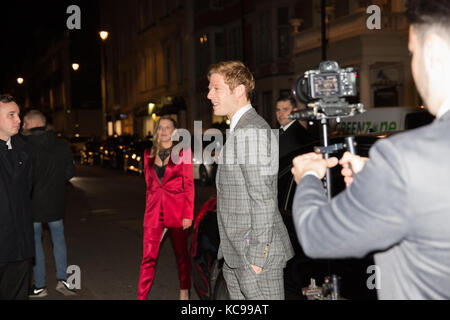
[[235, 73]]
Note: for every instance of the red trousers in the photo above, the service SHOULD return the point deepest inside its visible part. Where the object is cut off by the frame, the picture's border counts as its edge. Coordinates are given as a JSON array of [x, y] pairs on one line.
[[152, 241]]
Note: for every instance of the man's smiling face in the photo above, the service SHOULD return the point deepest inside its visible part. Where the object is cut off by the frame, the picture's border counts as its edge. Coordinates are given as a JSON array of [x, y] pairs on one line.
[[224, 100]]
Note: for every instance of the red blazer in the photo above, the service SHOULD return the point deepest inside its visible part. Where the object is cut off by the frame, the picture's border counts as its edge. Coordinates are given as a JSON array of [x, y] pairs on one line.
[[174, 196]]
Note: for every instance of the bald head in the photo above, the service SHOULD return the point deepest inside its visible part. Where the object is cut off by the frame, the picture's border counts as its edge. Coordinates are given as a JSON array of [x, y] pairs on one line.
[[34, 119]]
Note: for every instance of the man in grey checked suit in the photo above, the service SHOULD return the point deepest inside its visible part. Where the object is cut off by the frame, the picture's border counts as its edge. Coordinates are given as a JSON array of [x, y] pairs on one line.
[[397, 204], [253, 238]]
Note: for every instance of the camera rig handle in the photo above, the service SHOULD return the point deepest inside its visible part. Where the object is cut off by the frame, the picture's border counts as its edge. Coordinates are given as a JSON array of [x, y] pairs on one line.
[[349, 144]]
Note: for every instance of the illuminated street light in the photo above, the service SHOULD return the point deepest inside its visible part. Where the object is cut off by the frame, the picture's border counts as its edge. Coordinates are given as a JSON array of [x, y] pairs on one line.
[[106, 129], [75, 66], [151, 107], [20, 80], [104, 35]]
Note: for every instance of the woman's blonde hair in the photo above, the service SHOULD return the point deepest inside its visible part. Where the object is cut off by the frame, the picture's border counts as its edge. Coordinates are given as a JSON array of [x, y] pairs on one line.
[[156, 148]]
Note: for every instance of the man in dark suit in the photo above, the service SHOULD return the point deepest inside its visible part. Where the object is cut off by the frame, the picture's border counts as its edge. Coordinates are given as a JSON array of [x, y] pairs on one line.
[[16, 225], [396, 204], [292, 134]]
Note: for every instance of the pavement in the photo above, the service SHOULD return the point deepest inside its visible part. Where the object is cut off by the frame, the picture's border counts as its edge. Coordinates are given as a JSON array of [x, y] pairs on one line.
[[103, 229]]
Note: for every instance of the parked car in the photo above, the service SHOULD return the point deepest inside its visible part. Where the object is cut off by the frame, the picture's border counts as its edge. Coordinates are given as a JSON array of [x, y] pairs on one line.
[[76, 145], [111, 150], [207, 270], [134, 155], [90, 153]]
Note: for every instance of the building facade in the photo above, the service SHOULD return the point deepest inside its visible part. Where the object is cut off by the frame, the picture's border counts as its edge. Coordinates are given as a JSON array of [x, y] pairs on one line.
[[158, 54], [380, 56], [147, 70]]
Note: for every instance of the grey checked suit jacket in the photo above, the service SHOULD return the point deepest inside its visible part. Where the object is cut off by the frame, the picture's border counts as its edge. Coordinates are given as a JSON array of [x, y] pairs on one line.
[[398, 205], [250, 225]]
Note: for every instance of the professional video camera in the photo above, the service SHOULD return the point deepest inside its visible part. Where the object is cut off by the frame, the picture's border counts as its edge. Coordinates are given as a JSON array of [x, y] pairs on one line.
[[324, 91]]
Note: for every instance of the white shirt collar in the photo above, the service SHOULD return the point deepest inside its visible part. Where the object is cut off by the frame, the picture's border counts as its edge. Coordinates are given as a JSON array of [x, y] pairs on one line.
[[238, 115], [8, 143], [443, 109], [287, 126]]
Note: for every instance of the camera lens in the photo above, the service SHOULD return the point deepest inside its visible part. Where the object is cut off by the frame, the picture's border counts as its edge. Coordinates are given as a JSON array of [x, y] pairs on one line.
[[300, 90]]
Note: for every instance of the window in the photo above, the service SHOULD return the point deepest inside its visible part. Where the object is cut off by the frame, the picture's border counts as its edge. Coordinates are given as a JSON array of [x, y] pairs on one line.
[[268, 108], [219, 46], [200, 5], [235, 44], [180, 61], [178, 4], [265, 37], [203, 55], [164, 8], [342, 9], [283, 32], [146, 14], [167, 63], [155, 70], [216, 3]]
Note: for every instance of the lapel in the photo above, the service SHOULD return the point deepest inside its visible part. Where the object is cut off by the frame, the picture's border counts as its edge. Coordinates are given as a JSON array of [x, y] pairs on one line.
[[10, 171], [18, 157], [8, 168], [167, 172], [229, 143]]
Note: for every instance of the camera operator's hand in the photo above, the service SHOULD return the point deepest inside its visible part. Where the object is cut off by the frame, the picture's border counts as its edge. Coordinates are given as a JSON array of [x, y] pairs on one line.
[[311, 162], [357, 164]]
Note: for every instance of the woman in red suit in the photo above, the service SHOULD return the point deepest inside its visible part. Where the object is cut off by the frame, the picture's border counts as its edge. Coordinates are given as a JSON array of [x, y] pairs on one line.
[[169, 204]]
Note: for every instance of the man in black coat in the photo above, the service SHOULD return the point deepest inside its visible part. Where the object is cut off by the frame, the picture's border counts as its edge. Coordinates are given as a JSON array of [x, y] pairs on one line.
[[292, 134], [53, 163], [16, 227]]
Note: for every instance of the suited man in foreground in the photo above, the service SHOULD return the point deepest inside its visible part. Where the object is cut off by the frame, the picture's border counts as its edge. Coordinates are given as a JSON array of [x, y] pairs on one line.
[[292, 134], [253, 238], [16, 224], [397, 202]]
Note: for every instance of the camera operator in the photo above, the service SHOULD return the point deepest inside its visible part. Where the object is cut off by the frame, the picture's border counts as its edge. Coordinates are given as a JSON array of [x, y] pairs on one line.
[[397, 203]]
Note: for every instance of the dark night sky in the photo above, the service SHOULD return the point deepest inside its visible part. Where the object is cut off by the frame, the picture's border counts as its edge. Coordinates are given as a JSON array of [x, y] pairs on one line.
[[26, 29]]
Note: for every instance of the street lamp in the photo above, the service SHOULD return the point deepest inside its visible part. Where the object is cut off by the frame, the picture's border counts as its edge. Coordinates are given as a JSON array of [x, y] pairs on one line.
[[104, 35], [20, 81], [75, 66]]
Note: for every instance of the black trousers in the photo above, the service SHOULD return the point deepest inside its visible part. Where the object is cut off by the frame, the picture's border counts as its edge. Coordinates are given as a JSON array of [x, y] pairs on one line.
[[15, 280]]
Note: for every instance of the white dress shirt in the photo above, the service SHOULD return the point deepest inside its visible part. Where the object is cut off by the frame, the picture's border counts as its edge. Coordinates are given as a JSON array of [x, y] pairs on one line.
[[238, 115], [443, 109], [8, 143], [284, 128]]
